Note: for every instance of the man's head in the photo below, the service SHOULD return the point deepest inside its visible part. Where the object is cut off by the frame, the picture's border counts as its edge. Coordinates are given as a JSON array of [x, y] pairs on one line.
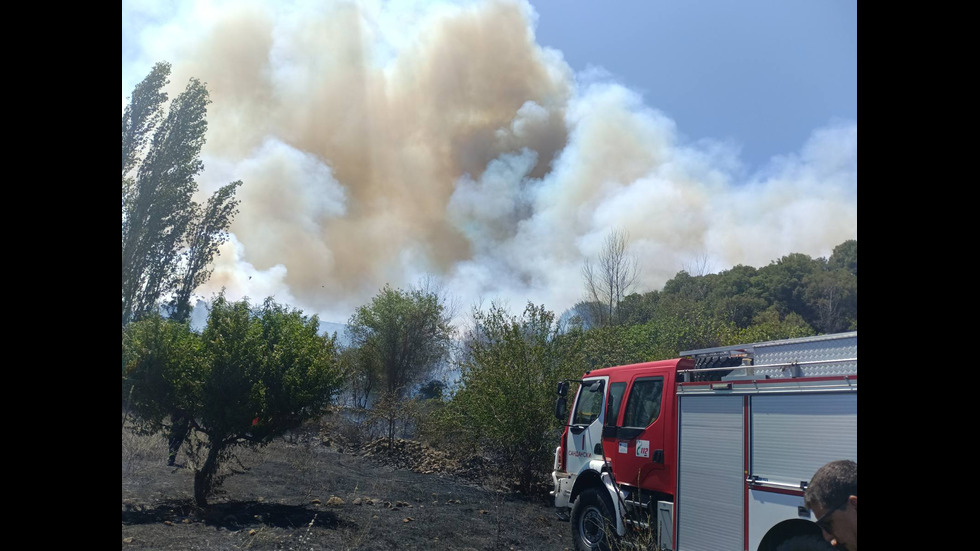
[[832, 496]]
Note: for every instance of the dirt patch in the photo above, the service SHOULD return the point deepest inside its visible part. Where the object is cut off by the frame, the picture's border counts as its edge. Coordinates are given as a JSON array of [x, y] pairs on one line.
[[310, 492]]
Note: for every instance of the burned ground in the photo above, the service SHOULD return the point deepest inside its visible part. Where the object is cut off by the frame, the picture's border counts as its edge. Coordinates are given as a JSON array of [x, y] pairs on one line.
[[308, 491]]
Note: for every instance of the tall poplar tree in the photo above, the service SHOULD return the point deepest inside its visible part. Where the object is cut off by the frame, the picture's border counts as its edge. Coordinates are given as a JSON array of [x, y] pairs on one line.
[[206, 232], [167, 239]]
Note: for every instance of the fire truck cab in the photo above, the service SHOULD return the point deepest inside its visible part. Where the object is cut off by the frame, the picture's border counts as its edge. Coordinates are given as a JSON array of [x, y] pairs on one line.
[[710, 451]]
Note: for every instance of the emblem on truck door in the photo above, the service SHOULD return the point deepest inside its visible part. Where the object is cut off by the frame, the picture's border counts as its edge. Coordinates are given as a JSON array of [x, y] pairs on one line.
[[643, 448], [623, 446]]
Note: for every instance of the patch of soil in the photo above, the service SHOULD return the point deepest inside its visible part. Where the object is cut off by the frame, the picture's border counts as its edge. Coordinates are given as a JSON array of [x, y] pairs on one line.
[[303, 493]]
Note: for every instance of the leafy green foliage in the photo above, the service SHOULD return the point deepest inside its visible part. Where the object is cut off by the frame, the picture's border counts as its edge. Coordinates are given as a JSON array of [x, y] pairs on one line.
[[605, 346], [817, 293], [505, 402], [831, 296], [636, 308], [781, 282], [845, 256], [268, 363], [400, 337], [432, 390], [163, 371], [735, 297], [405, 333], [679, 324], [794, 296], [250, 376], [769, 325]]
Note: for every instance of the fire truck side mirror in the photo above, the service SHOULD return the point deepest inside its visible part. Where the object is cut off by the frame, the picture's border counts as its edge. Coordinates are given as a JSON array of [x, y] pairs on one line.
[[563, 388], [560, 409]]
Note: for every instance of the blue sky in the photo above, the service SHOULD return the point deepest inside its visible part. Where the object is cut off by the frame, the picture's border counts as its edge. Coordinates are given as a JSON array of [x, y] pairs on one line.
[[492, 145], [762, 73]]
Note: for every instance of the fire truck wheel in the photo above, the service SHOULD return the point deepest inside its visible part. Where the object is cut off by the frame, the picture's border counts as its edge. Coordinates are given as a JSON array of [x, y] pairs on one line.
[[805, 543], [591, 525]]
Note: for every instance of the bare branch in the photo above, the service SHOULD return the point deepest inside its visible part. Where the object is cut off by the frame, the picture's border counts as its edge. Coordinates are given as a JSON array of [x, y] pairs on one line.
[[610, 280]]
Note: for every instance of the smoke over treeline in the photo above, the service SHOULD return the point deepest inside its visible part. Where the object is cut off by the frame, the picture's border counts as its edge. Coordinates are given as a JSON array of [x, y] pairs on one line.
[[380, 142]]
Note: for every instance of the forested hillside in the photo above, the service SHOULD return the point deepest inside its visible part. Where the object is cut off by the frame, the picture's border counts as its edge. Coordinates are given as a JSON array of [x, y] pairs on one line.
[[793, 296]]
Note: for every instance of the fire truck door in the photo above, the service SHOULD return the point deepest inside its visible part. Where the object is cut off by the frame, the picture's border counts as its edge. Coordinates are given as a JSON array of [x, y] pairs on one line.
[[585, 431], [640, 443]]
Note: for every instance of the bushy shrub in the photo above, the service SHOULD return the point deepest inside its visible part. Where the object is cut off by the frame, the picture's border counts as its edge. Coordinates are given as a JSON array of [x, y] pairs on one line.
[[504, 406], [249, 377]]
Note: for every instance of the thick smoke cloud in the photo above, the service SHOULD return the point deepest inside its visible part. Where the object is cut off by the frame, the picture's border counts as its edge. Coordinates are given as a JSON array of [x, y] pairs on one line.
[[381, 142]]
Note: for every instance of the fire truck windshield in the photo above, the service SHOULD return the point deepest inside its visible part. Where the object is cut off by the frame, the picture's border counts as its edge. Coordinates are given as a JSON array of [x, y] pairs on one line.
[[589, 405]]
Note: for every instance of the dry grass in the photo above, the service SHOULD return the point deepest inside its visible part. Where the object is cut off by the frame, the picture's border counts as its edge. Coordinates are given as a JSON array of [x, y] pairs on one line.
[[636, 539], [138, 451]]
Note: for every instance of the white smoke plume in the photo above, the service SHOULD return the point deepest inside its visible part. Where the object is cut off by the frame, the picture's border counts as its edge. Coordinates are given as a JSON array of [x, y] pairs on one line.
[[379, 142]]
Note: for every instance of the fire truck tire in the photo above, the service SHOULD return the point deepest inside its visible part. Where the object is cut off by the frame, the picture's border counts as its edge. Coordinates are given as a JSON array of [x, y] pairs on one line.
[[805, 543], [591, 521]]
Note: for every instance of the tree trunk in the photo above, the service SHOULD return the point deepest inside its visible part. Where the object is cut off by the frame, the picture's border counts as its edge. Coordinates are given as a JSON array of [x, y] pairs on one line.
[[204, 478]]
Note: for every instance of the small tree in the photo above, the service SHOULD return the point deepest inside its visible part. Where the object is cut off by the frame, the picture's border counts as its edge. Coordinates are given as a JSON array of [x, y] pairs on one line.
[[402, 336], [249, 377]]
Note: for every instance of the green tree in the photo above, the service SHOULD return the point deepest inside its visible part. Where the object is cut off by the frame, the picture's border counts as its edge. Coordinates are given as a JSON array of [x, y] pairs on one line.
[[403, 336], [604, 346], [160, 220], [638, 308], [781, 282], [682, 323], [831, 297], [687, 286], [769, 325], [734, 297], [505, 402], [845, 256], [250, 376]]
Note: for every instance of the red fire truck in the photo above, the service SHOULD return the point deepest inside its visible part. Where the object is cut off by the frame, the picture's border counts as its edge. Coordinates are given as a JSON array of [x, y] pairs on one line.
[[711, 451]]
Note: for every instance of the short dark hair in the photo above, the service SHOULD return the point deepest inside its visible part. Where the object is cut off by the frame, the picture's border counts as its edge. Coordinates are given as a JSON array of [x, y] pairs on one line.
[[832, 484]]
